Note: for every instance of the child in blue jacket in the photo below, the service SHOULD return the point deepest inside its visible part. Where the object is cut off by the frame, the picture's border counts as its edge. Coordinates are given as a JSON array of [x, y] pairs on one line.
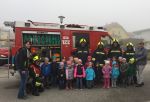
[[46, 72], [90, 75], [115, 73]]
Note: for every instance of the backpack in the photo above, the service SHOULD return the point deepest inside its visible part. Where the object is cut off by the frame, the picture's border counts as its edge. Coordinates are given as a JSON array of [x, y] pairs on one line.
[[16, 58]]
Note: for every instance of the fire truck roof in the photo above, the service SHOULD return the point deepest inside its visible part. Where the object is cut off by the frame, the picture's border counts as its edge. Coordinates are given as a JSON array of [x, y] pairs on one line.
[[30, 24]]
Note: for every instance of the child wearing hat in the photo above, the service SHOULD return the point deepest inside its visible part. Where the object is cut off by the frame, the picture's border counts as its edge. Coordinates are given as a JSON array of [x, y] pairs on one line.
[[123, 70], [90, 75], [69, 75], [46, 72], [79, 74], [106, 74], [61, 76], [115, 73]]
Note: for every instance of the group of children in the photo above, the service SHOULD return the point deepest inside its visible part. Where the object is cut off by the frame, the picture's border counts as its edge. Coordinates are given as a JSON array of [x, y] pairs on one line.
[[115, 72], [119, 72]]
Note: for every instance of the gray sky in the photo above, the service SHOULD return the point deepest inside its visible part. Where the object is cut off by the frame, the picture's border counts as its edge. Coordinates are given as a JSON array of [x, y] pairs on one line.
[[131, 14]]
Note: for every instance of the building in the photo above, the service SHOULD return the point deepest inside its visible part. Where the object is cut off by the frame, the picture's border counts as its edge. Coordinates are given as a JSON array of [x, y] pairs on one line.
[[143, 34], [6, 37], [116, 31]]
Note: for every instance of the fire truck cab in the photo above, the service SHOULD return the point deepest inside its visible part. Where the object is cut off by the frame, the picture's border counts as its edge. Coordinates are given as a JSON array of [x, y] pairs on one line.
[[51, 39]]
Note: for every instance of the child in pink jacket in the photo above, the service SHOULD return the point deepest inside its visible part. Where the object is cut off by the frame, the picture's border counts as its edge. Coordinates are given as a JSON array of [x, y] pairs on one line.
[[79, 74], [106, 74]]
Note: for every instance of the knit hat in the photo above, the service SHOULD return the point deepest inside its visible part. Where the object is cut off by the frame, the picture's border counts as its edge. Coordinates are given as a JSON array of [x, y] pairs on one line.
[[69, 62], [61, 63], [80, 60], [107, 61]]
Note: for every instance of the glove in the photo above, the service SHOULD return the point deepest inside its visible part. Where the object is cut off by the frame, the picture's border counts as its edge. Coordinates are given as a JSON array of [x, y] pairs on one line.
[[101, 65]]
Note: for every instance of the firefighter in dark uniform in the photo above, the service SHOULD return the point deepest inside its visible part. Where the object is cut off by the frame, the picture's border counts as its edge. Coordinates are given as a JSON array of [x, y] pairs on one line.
[[129, 54], [99, 56], [115, 50], [35, 75], [82, 51]]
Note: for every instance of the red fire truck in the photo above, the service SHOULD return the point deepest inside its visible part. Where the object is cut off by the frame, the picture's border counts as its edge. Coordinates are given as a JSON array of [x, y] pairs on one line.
[[50, 39]]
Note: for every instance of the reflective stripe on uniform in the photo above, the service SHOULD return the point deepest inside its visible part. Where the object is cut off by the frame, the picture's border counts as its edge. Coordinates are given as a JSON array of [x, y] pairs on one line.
[[115, 51], [130, 53], [100, 53], [79, 51]]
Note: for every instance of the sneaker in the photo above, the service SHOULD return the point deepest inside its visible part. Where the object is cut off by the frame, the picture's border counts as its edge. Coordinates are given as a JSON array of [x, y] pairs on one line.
[[67, 88], [142, 83], [139, 85], [108, 87], [36, 94]]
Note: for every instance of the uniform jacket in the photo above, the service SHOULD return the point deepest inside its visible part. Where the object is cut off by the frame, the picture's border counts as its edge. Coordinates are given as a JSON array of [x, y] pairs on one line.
[[34, 70], [99, 55]]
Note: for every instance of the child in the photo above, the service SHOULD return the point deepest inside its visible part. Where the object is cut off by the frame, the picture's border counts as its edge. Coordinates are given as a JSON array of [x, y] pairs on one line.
[[76, 60], [98, 74], [79, 74], [54, 70], [64, 61], [119, 82], [120, 60], [90, 75], [115, 73], [69, 75], [89, 59], [71, 59], [61, 76], [123, 70], [106, 74], [131, 72], [46, 72]]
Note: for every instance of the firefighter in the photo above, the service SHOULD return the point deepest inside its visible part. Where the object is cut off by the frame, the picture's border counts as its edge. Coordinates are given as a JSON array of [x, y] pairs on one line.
[[82, 51], [99, 54], [129, 54], [98, 58], [35, 75], [115, 50]]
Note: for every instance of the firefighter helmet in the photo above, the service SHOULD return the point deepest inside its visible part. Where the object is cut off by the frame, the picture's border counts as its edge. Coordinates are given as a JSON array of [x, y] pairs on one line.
[[82, 40], [35, 58], [130, 44], [115, 40], [101, 43]]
